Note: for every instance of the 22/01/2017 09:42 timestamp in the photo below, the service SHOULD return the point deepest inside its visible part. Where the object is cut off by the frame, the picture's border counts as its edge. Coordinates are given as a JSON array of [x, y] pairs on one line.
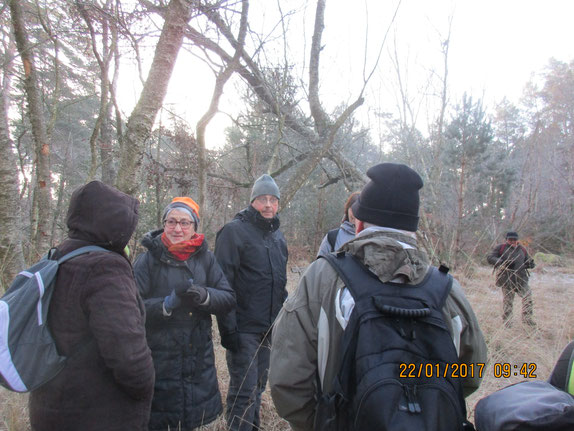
[[500, 370]]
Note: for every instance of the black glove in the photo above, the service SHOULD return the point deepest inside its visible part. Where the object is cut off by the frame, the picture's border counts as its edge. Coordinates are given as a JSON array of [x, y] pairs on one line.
[[230, 341], [196, 294], [181, 287]]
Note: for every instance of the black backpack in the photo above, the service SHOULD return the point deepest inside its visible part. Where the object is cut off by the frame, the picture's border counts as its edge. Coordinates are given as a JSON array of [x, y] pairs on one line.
[[399, 367]]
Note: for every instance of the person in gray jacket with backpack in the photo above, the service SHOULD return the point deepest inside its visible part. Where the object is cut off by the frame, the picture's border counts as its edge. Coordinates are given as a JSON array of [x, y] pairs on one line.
[[511, 263], [307, 336]]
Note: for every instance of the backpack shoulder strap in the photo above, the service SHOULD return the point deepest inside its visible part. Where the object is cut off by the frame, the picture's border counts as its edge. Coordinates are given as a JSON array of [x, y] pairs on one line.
[[79, 251], [354, 274], [332, 237]]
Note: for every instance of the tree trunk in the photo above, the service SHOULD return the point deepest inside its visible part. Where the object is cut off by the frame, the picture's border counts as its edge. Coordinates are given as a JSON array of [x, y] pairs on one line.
[[101, 138], [143, 116], [460, 205], [26, 50], [11, 256]]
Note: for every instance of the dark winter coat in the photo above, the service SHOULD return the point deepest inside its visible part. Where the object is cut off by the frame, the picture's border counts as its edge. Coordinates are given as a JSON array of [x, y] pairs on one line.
[[511, 265], [97, 319], [186, 389], [253, 255]]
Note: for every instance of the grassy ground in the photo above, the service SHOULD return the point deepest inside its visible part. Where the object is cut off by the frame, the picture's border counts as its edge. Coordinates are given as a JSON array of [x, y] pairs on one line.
[[515, 346]]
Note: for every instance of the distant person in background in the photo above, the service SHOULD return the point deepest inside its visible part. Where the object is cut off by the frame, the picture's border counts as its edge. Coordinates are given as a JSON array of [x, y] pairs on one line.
[[511, 263], [97, 319], [252, 252], [335, 238], [182, 285]]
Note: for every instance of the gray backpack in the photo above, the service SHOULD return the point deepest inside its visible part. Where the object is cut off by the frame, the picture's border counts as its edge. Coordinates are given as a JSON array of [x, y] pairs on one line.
[[532, 405], [526, 406], [28, 353]]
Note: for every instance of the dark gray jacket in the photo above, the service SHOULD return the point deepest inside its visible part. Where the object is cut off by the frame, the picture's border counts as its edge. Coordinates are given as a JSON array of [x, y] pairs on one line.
[[253, 255], [186, 390]]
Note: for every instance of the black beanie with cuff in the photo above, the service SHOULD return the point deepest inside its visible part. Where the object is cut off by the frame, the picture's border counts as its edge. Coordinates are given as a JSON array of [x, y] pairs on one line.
[[391, 198]]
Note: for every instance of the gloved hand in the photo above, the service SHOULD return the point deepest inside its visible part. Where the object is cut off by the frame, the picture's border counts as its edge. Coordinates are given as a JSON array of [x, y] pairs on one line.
[[173, 301], [196, 294], [230, 341]]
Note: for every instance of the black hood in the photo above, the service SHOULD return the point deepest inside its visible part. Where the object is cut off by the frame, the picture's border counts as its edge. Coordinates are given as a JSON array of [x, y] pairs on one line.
[[102, 215]]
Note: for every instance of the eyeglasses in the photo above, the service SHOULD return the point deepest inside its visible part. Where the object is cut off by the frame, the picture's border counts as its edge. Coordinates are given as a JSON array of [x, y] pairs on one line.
[[264, 199], [172, 223]]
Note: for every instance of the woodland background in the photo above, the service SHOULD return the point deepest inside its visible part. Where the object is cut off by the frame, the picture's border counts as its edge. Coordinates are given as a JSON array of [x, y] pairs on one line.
[[487, 169]]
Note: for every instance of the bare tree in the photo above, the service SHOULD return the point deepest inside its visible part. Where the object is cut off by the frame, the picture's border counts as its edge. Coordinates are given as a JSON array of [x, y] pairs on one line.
[[41, 208], [108, 35], [11, 256], [321, 135], [220, 81], [142, 118]]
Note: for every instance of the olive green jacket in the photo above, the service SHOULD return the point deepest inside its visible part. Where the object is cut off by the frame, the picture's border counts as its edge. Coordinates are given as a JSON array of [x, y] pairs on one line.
[[309, 328]]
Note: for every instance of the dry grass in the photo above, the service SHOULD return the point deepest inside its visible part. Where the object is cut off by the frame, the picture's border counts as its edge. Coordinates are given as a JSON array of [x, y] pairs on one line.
[[13, 411], [515, 346]]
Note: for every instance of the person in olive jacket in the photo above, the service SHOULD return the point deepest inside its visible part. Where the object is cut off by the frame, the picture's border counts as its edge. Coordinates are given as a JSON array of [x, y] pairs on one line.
[[182, 285], [253, 255], [97, 319]]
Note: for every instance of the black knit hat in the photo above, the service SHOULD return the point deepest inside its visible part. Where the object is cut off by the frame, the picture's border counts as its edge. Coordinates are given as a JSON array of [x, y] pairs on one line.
[[391, 198], [511, 235]]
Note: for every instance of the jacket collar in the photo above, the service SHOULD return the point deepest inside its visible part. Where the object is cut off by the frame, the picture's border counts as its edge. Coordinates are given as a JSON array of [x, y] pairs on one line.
[[251, 215], [390, 255]]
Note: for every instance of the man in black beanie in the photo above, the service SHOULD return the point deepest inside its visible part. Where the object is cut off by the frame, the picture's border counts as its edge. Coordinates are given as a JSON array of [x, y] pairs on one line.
[[306, 359]]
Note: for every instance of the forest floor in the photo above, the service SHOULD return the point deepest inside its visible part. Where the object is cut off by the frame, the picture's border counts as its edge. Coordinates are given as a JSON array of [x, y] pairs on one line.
[[553, 302]]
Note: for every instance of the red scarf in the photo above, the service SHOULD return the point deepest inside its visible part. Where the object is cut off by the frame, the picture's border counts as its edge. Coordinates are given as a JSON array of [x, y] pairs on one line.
[[182, 250]]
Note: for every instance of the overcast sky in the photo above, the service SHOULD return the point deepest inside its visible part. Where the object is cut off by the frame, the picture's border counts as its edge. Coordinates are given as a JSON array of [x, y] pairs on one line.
[[495, 47]]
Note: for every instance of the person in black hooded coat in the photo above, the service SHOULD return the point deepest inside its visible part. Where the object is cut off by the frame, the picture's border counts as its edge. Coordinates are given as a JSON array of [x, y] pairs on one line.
[[182, 285]]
